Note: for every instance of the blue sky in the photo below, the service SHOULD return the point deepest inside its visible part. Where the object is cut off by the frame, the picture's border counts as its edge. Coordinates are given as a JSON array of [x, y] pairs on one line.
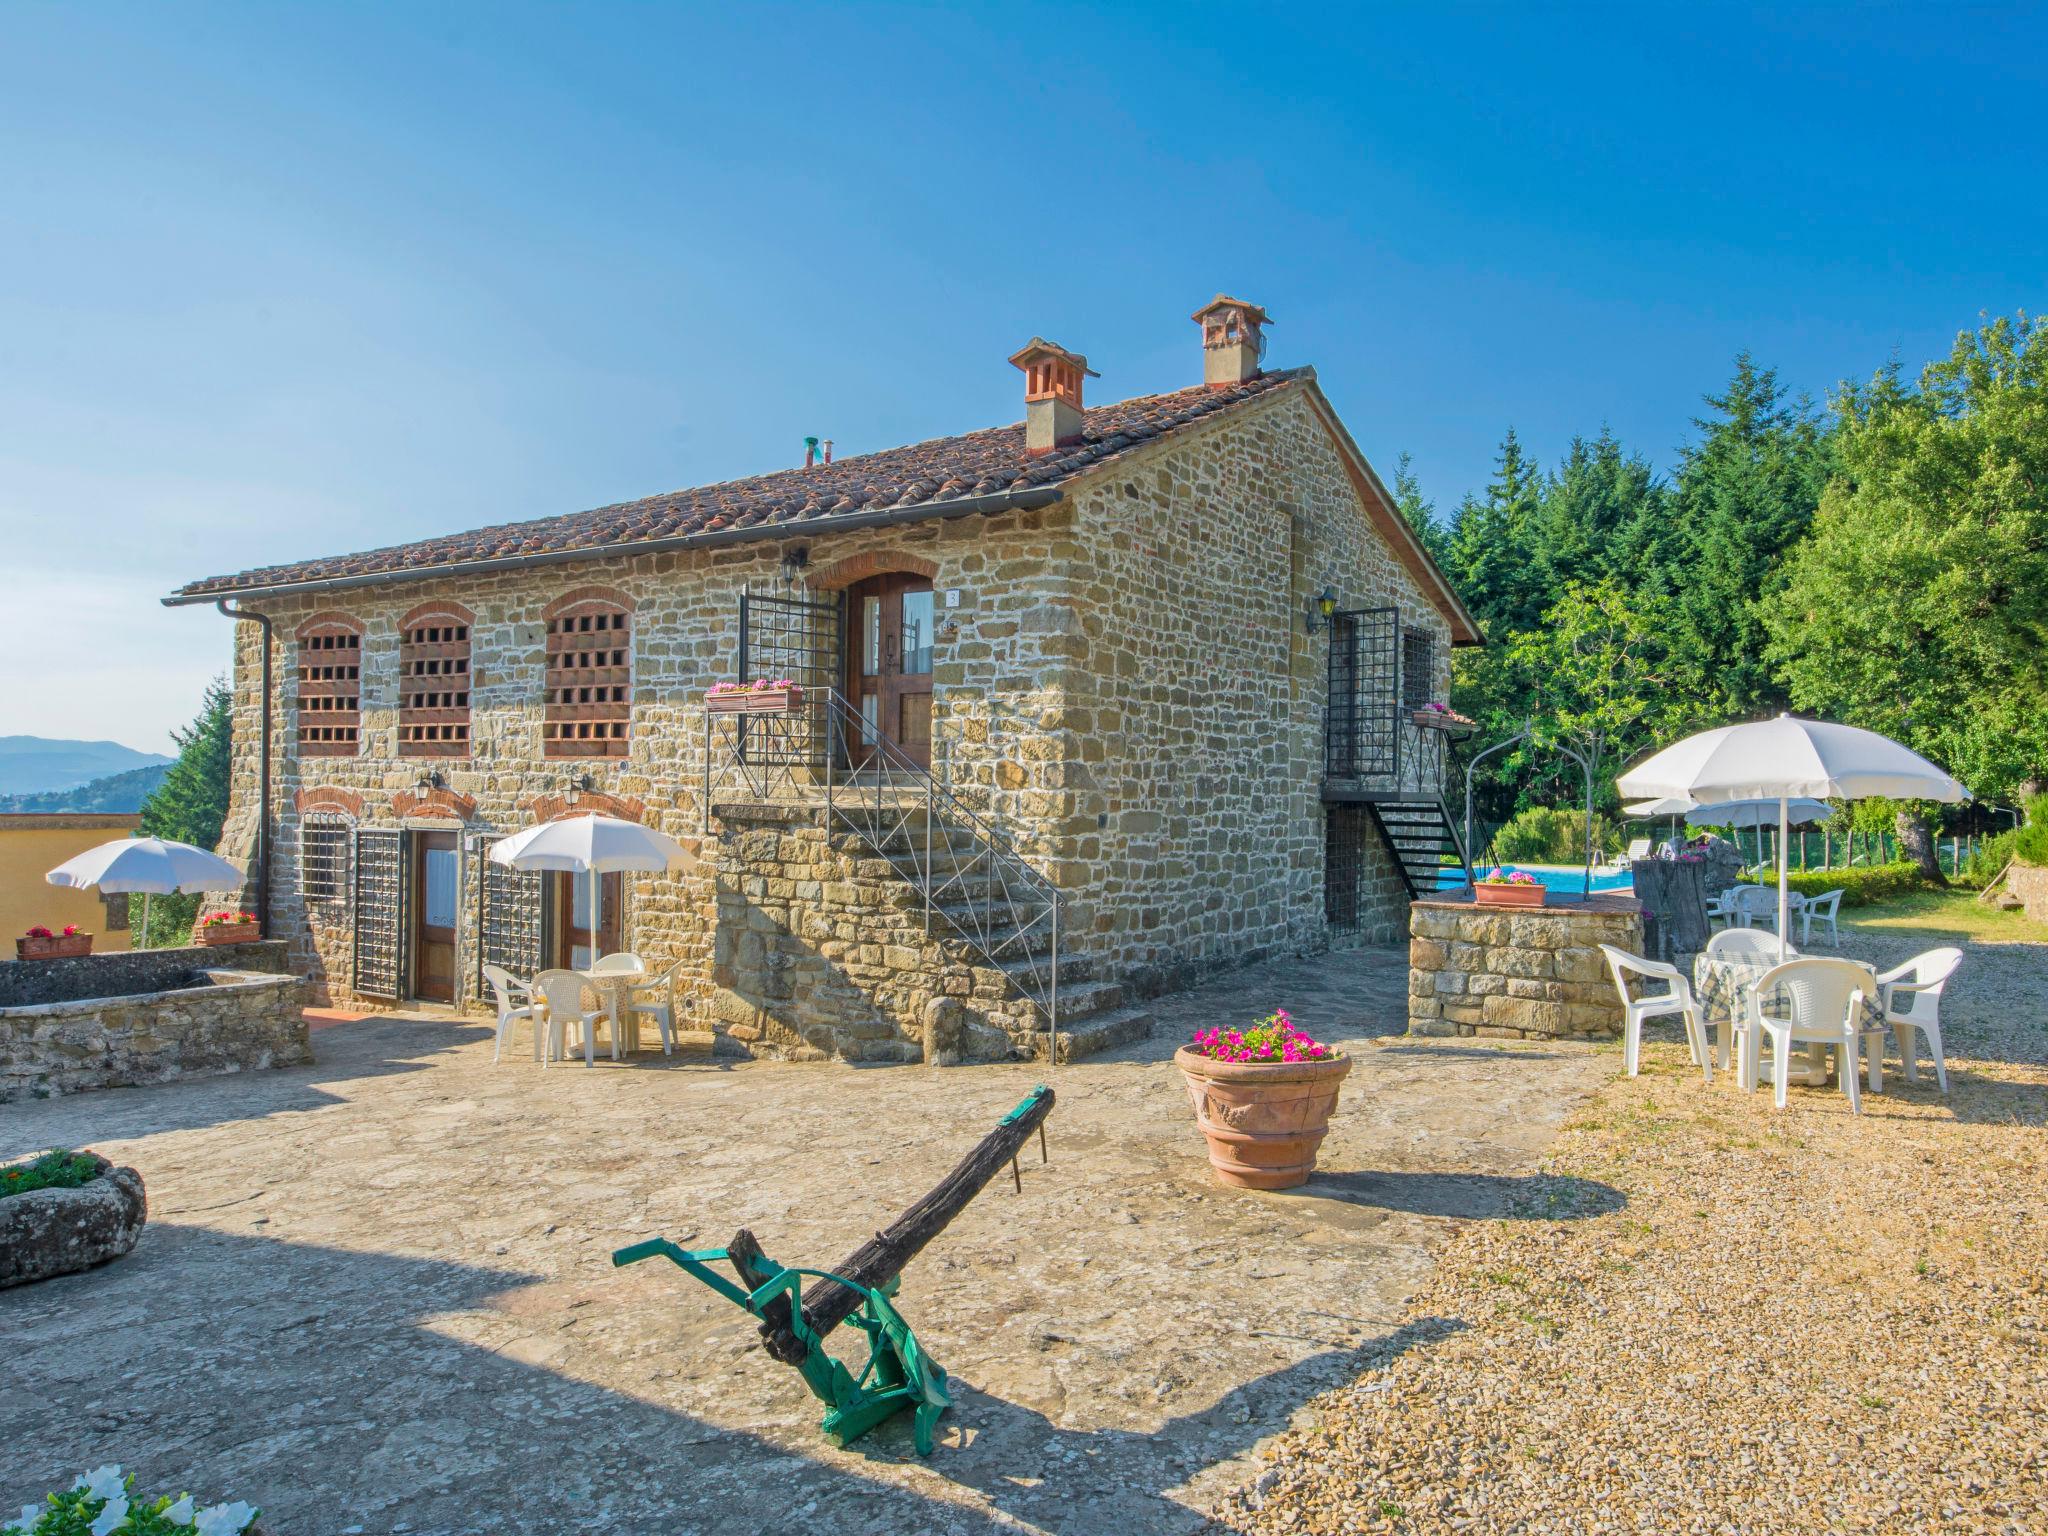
[[282, 281]]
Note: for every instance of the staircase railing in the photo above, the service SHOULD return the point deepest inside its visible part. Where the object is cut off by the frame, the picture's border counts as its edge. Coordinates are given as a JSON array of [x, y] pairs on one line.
[[955, 858]]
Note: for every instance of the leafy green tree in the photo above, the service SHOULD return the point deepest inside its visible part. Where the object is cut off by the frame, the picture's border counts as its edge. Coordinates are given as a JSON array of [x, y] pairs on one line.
[[190, 806], [1918, 605], [1597, 672]]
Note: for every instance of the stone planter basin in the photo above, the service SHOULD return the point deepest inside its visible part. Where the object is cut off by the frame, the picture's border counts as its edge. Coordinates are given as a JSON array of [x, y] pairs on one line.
[[1264, 1121], [61, 1231]]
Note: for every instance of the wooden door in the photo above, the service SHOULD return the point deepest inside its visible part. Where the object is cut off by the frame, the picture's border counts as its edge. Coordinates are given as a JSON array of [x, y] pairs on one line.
[[434, 865], [890, 621], [574, 942]]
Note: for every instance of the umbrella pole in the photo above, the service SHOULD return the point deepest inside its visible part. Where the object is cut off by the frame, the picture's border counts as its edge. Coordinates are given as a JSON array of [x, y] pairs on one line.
[[1784, 880], [145, 922], [596, 917]]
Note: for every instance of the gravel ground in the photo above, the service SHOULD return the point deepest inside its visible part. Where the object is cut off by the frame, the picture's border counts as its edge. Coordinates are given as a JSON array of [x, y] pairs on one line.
[[1797, 1322]]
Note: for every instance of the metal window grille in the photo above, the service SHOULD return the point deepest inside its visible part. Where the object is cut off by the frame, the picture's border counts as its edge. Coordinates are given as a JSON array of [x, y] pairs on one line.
[[796, 638], [330, 692], [325, 865], [511, 918], [1418, 668], [380, 912], [433, 684], [1359, 738], [589, 683], [1344, 833]]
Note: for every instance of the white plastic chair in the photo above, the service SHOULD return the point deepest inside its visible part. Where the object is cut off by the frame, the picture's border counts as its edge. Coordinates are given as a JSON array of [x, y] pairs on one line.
[[662, 1007], [1827, 907], [516, 1001], [564, 992], [621, 963], [1634, 1010], [1912, 1000], [1825, 1006], [1747, 944]]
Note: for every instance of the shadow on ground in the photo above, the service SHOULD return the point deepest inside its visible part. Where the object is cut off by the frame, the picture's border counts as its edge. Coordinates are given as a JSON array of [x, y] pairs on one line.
[[302, 1386]]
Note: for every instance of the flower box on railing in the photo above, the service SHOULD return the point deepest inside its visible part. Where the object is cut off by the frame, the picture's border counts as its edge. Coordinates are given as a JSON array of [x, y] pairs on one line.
[[1441, 717], [41, 944], [754, 699]]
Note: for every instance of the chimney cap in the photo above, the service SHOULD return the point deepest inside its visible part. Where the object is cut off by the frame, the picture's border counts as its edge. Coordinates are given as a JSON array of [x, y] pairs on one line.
[[1038, 349], [1251, 311]]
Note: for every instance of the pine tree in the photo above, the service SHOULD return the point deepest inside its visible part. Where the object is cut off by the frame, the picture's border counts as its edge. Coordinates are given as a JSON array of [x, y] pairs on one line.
[[1416, 509]]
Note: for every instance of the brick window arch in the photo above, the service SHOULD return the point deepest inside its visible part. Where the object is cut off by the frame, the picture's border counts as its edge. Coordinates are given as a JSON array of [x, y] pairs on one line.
[[433, 681], [330, 686], [589, 674]]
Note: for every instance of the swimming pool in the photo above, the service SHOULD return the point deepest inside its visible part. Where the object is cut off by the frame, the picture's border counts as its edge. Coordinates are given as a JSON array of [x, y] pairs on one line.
[[1566, 882]]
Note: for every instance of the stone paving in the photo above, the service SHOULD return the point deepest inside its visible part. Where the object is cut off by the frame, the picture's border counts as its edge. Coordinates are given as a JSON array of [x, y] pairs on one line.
[[375, 1293]]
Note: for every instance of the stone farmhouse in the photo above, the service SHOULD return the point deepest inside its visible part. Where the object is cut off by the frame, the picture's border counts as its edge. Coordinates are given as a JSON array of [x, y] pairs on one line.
[[1091, 705]]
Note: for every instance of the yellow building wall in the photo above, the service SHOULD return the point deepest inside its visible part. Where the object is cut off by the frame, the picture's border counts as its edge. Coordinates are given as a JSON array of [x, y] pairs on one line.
[[33, 845]]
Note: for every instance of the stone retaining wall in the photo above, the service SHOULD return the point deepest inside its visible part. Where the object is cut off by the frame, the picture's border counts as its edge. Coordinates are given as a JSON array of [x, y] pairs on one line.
[[1534, 975], [821, 952], [222, 1021], [2029, 882], [123, 973]]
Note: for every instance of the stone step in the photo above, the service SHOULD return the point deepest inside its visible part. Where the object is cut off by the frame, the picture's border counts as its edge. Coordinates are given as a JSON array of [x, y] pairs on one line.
[[1091, 1036]]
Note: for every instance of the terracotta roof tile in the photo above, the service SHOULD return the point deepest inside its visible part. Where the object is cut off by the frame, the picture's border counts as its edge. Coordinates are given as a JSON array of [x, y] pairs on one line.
[[944, 469]]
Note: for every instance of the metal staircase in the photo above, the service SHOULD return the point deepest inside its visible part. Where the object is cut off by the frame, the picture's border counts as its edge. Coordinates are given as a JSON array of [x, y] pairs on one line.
[[1418, 831], [980, 896]]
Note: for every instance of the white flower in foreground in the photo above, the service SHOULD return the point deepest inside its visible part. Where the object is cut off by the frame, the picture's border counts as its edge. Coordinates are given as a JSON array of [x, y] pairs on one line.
[[225, 1519], [30, 1514], [180, 1513], [112, 1518], [103, 1482]]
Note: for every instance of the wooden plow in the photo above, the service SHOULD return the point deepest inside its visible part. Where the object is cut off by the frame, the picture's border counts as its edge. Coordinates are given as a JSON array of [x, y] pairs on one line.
[[898, 1374]]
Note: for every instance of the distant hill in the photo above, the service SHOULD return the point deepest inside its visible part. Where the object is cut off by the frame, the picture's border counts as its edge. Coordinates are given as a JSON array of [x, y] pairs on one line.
[[31, 765], [116, 792]]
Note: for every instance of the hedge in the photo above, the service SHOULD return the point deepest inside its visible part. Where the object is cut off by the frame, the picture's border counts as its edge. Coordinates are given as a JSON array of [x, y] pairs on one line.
[[1862, 886]]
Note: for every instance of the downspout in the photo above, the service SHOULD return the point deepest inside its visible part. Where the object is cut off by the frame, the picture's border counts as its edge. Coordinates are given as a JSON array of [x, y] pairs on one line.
[[262, 774]]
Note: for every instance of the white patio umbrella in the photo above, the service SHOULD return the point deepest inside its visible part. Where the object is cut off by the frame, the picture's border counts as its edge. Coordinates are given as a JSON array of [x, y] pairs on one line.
[[150, 866], [1736, 813], [593, 845], [1784, 760]]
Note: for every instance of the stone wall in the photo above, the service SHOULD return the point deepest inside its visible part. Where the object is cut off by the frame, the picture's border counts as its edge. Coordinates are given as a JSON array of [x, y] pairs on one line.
[[221, 1021], [2029, 882], [1198, 696], [1534, 974], [821, 952], [125, 972]]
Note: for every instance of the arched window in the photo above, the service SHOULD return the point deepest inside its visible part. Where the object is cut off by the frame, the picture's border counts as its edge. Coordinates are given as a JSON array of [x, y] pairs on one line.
[[590, 675], [433, 681], [330, 686]]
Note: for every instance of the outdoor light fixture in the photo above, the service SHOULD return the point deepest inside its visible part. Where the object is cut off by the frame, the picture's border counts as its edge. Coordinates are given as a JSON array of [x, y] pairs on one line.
[[431, 780], [1320, 609], [794, 563]]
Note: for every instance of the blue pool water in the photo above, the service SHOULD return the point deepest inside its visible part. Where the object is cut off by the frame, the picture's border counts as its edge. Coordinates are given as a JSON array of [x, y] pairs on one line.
[[1566, 882]]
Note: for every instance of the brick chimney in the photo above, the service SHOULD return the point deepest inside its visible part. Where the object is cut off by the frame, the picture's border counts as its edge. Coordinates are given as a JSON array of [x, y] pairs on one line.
[[1052, 393], [1233, 340]]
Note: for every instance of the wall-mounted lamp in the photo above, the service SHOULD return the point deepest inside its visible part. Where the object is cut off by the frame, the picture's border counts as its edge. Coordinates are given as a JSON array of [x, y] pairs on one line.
[[1320, 609], [585, 782], [432, 779], [795, 561]]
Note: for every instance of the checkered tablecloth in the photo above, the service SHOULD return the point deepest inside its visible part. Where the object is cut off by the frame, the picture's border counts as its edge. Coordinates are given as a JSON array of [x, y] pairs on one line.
[[1721, 984]]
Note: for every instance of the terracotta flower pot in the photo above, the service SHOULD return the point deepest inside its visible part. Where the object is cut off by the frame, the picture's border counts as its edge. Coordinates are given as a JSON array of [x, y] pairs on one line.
[[215, 934], [1263, 1120], [1508, 895], [58, 947]]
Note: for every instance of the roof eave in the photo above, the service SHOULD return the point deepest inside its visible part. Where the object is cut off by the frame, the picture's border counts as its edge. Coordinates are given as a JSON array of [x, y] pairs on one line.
[[963, 506]]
